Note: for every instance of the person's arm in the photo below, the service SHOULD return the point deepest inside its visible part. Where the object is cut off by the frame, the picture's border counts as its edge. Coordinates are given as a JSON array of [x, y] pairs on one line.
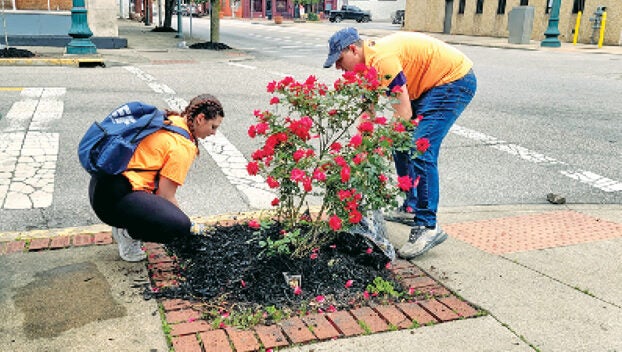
[[167, 190], [403, 110]]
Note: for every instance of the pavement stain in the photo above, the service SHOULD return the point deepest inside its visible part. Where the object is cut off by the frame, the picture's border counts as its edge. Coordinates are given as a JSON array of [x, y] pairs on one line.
[[64, 298]]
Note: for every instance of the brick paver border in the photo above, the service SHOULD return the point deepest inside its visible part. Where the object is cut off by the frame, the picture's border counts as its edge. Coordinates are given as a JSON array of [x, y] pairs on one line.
[[190, 333], [58, 242]]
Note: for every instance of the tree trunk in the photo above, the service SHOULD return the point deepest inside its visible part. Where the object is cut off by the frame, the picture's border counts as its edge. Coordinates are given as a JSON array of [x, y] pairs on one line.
[[169, 5], [214, 20]]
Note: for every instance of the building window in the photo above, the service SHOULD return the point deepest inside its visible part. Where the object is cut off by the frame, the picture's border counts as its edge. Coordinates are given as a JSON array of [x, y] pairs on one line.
[[524, 2], [461, 7], [479, 7], [579, 5], [501, 7]]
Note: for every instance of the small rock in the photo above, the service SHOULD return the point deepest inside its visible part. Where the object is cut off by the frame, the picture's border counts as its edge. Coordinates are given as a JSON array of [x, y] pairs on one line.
[[555, 198]]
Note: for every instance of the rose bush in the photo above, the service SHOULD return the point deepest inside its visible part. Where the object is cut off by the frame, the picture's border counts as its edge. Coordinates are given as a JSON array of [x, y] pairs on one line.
[[331, 143]]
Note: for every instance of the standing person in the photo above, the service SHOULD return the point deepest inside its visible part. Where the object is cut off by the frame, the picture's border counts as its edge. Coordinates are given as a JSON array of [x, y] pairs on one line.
[[437, 83], [301, 11], [140, 203]]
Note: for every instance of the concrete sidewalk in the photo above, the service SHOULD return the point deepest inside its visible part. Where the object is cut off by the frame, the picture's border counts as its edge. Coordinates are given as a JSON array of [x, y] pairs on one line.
[[549, 276], [144, 45]]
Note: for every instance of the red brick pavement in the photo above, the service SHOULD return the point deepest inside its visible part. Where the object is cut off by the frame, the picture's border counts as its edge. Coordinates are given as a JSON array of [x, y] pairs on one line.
[[529, 232]]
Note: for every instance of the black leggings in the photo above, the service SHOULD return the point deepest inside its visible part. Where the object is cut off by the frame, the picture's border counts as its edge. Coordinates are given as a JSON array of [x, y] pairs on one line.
[[146, 216]]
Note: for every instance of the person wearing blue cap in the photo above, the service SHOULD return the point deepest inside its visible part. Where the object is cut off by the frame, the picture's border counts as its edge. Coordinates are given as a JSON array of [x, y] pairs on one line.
[[435, 83]]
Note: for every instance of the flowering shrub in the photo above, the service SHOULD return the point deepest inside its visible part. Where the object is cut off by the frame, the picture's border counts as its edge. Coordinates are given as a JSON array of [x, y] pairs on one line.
[[330, 143]]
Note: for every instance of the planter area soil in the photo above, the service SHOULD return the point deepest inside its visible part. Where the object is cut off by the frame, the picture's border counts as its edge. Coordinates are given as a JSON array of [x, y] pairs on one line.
[[210, 46], [13, 52], [225, 268], [164, 29]]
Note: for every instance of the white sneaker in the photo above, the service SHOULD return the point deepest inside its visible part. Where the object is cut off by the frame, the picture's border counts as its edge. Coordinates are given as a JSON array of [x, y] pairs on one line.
[[130, 249], [421, 240]]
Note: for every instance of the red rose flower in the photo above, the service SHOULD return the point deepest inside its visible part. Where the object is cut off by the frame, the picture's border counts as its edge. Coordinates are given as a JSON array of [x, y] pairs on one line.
[[335, 223], [252, 168], [405, 183], [422, 144], [345, 174], [254, 224], [356, 141], [297, 175], [272, 182]]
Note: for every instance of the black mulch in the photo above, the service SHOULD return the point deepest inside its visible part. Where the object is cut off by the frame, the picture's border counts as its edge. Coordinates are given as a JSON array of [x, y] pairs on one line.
[[13, 52], [163, 29], [226, 266], [210, 45]]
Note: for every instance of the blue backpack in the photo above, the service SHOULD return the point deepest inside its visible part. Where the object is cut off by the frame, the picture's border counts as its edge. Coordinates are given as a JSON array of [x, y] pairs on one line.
[[108, 146]]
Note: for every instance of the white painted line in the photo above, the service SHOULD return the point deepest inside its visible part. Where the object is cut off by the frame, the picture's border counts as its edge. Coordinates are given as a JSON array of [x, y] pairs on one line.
[[242, 65], [28, 154], [228, 158], [32, 185], [594, 180], [19, 115], [597, 181]]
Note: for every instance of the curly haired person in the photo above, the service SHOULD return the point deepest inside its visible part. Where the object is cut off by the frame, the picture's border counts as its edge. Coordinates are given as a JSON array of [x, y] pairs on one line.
[[435, 83], [140, 203]]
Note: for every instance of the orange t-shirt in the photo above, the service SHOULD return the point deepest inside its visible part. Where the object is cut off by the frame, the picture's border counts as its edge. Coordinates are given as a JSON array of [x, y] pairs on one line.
[[426, 62], [167, 152]]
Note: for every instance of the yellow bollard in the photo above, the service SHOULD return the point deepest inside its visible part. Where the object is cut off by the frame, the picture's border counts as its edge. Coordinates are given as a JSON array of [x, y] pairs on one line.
[[576, 29], [602, 30]]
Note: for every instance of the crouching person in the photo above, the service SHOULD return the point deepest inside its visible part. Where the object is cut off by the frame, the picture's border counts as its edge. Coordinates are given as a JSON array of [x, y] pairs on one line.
[[140, 202]]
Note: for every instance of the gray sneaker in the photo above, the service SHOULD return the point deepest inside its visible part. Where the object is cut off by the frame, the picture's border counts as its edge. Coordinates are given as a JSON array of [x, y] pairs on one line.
[[421, 240], [130, 249], [400, 215]]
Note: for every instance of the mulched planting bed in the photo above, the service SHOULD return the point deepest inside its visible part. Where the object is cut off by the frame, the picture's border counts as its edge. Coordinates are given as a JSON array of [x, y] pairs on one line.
[[15, 53], [164, 29], [210, 46], [217, 293], [227, 270]]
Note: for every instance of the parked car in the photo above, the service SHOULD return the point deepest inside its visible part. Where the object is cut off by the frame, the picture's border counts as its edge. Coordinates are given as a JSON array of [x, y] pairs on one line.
[[183, 8], [186, 9], [194, 10], [349, 12]]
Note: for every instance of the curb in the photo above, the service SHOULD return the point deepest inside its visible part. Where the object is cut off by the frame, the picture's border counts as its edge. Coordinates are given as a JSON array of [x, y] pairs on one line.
[[76, 62]]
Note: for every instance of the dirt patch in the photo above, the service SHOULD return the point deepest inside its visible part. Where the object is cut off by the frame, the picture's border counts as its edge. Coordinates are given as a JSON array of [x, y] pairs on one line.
[[65, 298]]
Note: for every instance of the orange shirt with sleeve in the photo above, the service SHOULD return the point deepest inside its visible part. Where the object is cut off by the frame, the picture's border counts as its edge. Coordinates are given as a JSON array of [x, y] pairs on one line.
[[167, 152], [425, 61]]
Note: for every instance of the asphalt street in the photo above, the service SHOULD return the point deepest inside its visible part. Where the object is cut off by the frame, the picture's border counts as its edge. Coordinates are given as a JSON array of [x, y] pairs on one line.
[[543, 121]]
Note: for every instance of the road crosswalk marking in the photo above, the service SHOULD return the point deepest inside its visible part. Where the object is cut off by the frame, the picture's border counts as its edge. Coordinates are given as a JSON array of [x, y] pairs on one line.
[[28, 153], [229, 159]]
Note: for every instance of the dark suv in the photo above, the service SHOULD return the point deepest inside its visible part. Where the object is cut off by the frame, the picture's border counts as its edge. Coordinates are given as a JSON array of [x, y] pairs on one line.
[[349, 12]]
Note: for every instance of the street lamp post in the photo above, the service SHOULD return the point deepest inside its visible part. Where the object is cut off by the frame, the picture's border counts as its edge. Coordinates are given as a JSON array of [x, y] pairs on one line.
[[80, 31], [180, 34], [552, 32]]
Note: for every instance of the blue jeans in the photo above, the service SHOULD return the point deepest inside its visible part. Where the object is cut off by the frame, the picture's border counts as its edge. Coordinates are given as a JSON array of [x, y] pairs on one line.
[[440, 107]]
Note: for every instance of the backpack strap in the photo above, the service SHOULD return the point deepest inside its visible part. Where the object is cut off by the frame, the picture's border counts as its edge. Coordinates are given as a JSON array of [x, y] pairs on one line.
[[177, 130]]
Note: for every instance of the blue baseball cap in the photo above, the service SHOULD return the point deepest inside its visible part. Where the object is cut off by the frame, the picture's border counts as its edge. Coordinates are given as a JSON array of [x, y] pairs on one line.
[[339, 41]]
